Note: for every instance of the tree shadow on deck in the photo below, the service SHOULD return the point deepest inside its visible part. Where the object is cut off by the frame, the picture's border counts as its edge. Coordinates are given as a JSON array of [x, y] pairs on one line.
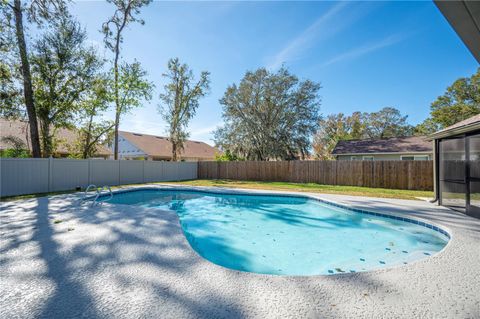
[[136, 240]]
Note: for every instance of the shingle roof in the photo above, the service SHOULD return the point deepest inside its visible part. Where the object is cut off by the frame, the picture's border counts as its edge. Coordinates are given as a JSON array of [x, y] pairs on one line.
[[159, 146], [472, 122], [389, 145], [20, 129]]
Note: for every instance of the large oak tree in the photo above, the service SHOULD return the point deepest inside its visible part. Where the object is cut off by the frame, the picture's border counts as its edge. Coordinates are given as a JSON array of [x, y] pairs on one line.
[[269, 115]]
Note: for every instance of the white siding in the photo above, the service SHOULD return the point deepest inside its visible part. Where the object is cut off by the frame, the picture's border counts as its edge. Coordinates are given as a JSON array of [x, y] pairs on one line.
[[127, 149]]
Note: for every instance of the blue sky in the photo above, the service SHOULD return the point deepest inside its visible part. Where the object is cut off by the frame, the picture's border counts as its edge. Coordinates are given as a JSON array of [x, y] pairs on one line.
[[366, 55]]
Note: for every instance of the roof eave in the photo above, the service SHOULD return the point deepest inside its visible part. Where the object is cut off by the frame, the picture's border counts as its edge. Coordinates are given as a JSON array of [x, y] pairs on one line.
[[384, 153], [464, 17], [455, 131]]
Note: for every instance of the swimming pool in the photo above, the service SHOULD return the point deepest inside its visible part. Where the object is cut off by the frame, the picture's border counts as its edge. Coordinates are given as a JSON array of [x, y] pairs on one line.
[[290, 235]]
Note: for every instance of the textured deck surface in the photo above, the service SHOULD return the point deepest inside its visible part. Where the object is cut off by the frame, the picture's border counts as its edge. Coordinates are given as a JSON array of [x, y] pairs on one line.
[[62, 260]]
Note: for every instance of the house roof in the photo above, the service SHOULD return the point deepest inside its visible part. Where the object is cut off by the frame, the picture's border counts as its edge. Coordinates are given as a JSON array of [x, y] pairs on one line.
[[160, 146], [468, 125], [65, 137], [413, 144]]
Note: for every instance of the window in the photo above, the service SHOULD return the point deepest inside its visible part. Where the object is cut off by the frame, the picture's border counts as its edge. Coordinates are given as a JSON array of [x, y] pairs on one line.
[[354, 158], [368, 158], [421, 157], [414, 157]]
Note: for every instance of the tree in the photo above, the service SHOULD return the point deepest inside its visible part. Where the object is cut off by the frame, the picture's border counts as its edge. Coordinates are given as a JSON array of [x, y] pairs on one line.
[[92, 132], [332, 129], [388, 122], [10, 92], [460, 101], [357, 125], [227, 157], [19, 149], [427, 127], [133, 89], [269, 116], [64, 70], [36, 11], [125, 13], [180, 100]]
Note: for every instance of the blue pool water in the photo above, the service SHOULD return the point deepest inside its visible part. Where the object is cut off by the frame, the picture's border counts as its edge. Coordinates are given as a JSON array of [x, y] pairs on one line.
[[289, 235]]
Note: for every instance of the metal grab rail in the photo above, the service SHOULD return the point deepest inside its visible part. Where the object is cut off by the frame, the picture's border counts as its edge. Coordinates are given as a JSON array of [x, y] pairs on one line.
[[105, 187], [85, 194], [98, 192]]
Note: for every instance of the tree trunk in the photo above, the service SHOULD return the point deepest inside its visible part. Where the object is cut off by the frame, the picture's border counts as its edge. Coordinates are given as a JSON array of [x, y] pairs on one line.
[[27, 80], [86, 147], [117, 122], [117, 103], [47, 139], [174, 152], [118, 107]]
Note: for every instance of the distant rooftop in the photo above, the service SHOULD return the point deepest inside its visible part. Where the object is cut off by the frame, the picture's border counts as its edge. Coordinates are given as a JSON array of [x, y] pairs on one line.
[[412, 144], [160, 146], [65, 137]]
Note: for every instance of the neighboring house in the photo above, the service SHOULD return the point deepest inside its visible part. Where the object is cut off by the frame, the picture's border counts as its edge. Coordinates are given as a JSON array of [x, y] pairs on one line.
[[159, 148], [457, 166], [66, 139], [416, 148]]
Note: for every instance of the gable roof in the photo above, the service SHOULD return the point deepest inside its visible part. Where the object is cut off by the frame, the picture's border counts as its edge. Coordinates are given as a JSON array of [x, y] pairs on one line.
[[412, 144], [468, 125], [160, 146], [65, 137]]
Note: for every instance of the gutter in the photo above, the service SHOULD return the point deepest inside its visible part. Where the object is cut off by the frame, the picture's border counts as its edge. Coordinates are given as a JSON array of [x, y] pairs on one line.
[[455, 131]]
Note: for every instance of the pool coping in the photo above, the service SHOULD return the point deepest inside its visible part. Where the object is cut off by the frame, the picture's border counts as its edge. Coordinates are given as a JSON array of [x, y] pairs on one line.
[[428, 287]]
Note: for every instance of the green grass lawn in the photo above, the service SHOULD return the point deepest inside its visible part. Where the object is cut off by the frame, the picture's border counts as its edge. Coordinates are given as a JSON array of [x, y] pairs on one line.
[[296, 187], [313, 188]]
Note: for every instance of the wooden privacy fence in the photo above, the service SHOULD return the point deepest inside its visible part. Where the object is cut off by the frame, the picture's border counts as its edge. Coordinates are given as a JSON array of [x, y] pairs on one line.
[[414, 175]]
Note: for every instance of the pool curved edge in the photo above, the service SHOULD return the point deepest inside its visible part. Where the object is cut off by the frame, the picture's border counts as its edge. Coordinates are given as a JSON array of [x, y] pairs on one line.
[[445, 231]]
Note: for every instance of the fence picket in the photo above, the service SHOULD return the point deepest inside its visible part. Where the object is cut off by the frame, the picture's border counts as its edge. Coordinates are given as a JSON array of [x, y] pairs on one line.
[[414, 175]]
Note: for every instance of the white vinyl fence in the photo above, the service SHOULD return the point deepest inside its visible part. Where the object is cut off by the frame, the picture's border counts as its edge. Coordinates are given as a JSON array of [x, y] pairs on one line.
[[21, 176]]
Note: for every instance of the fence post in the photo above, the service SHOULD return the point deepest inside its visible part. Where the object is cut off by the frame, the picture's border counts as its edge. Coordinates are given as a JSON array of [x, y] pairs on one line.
[[89, 177], [118, 172], [50, 173], [143, 172]]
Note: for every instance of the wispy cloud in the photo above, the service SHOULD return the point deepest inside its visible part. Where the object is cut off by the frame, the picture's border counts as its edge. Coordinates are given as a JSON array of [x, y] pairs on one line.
[[204, 134], [327, 25], [363, 50]]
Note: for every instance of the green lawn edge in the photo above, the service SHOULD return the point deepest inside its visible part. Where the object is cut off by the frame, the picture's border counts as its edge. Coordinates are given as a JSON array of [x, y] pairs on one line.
[[281, 186]]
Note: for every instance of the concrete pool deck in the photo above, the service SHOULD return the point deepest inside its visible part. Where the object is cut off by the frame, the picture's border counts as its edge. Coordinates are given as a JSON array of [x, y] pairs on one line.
[[59, 259]]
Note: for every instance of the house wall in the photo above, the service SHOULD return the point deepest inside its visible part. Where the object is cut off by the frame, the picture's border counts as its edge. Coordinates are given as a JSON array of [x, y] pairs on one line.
[[381, 157], [127, 150]]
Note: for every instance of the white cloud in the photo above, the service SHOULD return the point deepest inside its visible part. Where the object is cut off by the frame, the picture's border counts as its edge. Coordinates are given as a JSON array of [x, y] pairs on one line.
[[204, 134], [327, 25], [363, 50], [142, 125]]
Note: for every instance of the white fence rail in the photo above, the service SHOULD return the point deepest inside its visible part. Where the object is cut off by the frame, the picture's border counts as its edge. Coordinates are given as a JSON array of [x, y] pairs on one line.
[[21, 176]]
